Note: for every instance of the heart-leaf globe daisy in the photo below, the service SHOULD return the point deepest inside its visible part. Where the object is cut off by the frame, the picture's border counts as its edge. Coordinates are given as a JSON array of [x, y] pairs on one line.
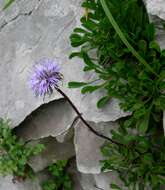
[[45, 77]]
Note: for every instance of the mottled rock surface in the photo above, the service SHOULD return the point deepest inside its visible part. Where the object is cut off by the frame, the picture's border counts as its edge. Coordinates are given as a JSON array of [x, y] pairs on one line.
[[156, 8], [87, 146], [93, 181], [7, 184], [53, 119], [53, 151]]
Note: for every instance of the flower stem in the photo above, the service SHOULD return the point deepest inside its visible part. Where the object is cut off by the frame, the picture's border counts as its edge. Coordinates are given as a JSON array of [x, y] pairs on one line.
[[124, 39], [84, 121]]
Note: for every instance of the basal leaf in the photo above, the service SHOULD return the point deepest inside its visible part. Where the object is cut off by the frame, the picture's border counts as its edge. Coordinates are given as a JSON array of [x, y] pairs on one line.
[[88, 60], [103, 101], [116, 187], [142, 45], [76, 84], [150, 32], [154, 45], [142, 125], [75, 54], [90, 89]]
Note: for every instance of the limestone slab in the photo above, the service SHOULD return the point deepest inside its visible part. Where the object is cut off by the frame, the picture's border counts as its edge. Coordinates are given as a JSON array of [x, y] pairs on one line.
[[32, 30], [53, 119], [156, 7], [100, 181], [7, 184], [87, 146], [53, 151]]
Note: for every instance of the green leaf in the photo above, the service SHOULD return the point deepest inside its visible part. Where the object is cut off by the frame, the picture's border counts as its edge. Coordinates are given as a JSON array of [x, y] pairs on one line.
[[76, 84], [8, 3], [38, 149], [128, 123], [103, 101], [162, 85], [163, 53], [77, 40], [79, 30], [147, 158], [143, 75], [142, 44], [91, 6], [75, 54], [139, 113], [143, 145], [129, 138], [154, 45], [87, 68], [160, 103], [90, 89], [150, 30], [88, 60], [89, 24], [116, 187], [137, 106], [143, 124]]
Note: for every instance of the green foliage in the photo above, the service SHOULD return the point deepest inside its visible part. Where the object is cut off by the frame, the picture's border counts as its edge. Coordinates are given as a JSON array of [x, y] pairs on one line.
[[60, 178], [123, 77], [117, 42], [141, 162], [14, 153]]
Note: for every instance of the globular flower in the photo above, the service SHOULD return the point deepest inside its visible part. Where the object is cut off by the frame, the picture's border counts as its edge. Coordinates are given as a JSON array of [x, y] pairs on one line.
[[45, 77]]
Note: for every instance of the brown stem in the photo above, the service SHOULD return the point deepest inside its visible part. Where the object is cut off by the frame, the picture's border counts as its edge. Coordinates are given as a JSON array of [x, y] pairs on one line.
[[84, 121]]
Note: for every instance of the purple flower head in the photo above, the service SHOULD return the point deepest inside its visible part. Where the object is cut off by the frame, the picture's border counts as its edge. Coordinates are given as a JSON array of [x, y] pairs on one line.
[[45, 77]]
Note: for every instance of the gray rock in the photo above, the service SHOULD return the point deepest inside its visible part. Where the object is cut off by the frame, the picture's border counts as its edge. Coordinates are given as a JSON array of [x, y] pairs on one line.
[[87, 146], [7, 184], [53, 119], [29, 31], [66, 136], [100, 181], [156, 7], [53, 151]]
